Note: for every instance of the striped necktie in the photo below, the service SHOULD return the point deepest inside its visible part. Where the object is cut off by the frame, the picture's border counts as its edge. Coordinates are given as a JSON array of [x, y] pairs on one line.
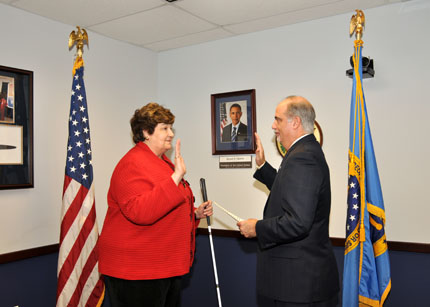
[[233, 135]]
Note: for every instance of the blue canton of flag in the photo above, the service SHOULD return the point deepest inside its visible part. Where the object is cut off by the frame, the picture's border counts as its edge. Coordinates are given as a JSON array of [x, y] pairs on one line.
[[353, 213], [79, 155]]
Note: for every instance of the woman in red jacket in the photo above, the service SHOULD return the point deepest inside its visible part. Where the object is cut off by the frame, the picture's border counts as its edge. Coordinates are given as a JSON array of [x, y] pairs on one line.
[[148, 237]]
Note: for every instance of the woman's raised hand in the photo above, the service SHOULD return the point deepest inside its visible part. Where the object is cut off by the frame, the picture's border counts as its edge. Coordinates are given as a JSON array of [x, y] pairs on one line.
[[180, 168]]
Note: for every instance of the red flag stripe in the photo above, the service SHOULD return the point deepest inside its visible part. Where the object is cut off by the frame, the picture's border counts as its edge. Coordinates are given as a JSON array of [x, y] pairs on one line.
[[83, 279], [93, 298], [69, 264], [98, 294], [67, 180], [70, 214], [74, 229]]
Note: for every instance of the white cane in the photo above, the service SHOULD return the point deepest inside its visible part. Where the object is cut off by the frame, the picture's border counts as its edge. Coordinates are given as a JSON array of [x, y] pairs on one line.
[[205, 198]]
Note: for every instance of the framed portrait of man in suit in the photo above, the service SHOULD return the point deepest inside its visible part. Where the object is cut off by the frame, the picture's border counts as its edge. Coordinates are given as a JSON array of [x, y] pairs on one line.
[[233, 122]]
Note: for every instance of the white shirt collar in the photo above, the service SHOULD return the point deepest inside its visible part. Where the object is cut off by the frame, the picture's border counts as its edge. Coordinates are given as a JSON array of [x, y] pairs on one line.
[[237, 126], [298, 139]]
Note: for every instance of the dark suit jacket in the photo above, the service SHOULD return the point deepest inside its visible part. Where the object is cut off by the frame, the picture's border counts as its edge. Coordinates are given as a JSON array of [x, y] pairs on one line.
[[242, 133], [295, 261]]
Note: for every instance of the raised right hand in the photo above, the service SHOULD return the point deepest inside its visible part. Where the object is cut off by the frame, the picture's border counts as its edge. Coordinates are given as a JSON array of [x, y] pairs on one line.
[[180, 168], [259, 152]]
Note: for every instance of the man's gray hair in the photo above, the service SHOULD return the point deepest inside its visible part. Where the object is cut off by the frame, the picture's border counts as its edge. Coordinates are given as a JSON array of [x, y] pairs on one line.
[[300, 107]]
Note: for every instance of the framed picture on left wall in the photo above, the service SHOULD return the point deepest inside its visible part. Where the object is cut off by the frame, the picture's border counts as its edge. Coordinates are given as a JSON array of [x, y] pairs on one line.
[[16, 128]]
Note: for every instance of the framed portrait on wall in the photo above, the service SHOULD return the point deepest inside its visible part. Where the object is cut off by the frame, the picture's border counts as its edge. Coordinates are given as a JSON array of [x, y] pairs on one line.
[[233, 122], [16, 128]]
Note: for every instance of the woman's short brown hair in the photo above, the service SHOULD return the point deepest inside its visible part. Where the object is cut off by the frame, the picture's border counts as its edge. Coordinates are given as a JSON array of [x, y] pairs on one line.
[[147, 118]]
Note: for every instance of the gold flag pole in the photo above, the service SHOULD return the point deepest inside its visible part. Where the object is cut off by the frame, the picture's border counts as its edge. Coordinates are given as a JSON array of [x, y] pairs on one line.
[[356, 25], [80, 38]]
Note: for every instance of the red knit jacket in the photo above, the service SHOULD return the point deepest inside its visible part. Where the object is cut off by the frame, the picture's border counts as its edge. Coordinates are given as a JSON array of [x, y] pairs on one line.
[[149, 228]]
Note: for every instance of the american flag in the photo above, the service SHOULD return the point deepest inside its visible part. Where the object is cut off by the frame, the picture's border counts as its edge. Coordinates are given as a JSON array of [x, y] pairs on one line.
[[222, 117], [79, 282]]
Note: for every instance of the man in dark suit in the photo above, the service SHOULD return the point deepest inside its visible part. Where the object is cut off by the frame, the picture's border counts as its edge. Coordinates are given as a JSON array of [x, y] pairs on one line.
[[295, 264], [236, 131]]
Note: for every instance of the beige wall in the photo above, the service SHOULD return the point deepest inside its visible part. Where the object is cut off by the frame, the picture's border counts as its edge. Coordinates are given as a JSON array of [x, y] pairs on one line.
[[309, 59], [118, 78]]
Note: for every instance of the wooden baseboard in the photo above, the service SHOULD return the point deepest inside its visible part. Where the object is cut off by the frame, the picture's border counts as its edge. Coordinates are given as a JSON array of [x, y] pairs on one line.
[[49, 249], [29, 253], [392, 245]]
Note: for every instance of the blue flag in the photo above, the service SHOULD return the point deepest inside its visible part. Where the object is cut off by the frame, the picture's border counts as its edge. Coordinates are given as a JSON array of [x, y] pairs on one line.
[[366, 274]]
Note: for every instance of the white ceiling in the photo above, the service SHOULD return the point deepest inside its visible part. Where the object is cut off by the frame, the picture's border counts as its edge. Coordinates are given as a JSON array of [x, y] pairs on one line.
[[159, 25]]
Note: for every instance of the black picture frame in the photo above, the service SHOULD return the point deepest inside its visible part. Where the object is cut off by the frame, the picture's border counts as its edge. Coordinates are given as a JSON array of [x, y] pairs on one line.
[[221, 122], [16, 128]]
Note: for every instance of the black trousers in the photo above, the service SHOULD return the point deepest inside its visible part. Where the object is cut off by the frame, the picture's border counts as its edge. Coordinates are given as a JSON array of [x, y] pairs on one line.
[[143, 293], [332, 302]]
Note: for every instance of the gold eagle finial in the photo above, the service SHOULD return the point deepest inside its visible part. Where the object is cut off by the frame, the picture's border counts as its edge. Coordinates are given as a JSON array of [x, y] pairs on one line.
[[80, 38], [357, 24]]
